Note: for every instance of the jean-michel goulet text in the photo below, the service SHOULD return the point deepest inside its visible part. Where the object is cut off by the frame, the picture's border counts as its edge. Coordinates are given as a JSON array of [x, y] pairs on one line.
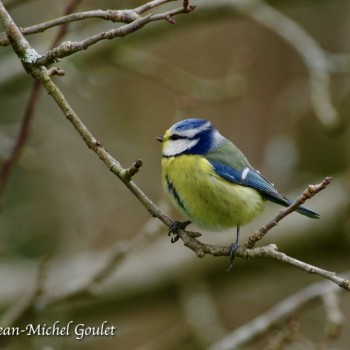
[[78, 330]]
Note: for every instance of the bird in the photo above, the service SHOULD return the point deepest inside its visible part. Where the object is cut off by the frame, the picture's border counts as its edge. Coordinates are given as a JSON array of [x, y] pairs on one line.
[[211, 182]]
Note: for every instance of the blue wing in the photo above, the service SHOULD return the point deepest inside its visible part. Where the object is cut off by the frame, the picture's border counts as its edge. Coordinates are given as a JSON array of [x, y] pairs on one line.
[[251, 178]]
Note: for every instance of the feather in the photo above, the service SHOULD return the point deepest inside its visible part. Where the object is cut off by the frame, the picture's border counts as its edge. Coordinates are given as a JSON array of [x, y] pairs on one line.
[[251, 178]]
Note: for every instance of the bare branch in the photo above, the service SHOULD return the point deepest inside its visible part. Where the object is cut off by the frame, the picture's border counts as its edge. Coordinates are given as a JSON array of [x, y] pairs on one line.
[[150, 5], [19, 43], [70, 7], [41, 74], [131, 17], [122, 16], [68, 48], [202, 249], [189, 239], [311, 191], [272, 252], [22, 47], [28, 116], [316, 60], [21, 140], [264, 322], [269, 251], [128, 173], [114, 258], [335, 317], [314, 57], [55, 71]]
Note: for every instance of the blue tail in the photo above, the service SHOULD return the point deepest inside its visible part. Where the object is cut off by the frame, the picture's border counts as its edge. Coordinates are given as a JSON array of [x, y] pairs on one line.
[[304, 211]]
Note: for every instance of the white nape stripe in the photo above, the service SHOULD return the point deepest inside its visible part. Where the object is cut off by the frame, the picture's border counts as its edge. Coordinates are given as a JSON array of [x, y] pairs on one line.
[[190, 133], [245, 173], [173, 148], [217, 138]]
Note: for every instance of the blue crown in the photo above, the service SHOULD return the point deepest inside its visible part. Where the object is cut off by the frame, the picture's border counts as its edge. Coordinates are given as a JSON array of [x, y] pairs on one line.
[[187, 124]]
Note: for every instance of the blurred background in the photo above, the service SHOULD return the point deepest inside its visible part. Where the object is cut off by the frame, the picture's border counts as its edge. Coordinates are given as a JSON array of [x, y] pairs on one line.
[[217, 64]]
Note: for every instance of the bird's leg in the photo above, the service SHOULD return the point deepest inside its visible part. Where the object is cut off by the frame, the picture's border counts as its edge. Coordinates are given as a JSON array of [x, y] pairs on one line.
[[174, 226], [232, 250]]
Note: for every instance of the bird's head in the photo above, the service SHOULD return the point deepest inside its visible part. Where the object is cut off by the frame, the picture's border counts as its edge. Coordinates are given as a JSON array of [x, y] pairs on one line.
[[190, 136]]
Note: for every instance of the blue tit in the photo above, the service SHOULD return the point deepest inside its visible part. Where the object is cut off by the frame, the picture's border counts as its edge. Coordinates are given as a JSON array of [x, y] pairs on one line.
[[210, 181]]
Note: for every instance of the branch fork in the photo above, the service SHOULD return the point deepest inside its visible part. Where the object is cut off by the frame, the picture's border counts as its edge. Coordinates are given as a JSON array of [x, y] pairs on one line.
[[270, 251], [311, 191], [42, 77]]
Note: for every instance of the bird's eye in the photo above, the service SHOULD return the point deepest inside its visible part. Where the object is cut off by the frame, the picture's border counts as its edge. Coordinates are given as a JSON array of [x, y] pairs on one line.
[[175, 137]]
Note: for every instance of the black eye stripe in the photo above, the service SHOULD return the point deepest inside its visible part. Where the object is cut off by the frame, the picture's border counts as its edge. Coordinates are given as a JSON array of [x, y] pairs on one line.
[[175, 137]]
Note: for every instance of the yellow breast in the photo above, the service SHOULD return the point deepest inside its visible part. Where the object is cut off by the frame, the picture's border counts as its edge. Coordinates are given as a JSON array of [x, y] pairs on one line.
[[207, 199]]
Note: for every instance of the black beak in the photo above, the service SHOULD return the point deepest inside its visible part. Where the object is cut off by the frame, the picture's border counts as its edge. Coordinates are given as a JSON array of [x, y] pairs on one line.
[[160, 138]]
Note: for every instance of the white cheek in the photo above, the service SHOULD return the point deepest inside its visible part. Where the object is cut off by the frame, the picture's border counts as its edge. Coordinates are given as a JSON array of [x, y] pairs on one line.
[[175, 147]]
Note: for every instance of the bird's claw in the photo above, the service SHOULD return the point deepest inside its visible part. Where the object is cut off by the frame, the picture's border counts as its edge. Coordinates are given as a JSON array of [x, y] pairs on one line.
[[232, 250], [174, 226]]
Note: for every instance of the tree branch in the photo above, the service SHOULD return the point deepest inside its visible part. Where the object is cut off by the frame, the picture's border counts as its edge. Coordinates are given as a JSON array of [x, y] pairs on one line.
[[22, 47], [68, 48], [114, 257], [188, 238], [311, 191], [40, 73], [122, 16], [270, 251], [334, 315], [28, 116], [315, 59], [265, 321], [21, 140]]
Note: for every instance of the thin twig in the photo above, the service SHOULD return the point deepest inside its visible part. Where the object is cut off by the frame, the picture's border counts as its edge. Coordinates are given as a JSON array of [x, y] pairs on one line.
[[272, 252], [202, 249], [150, 5], [265, 321], [128, 173], [123, 16], [314, 57], [316, 60], [28, 116], [189, 239], [311, 191], [21, 140], [21, 47], [335, 318], [114, 257], [70, 7], [68, 48]]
